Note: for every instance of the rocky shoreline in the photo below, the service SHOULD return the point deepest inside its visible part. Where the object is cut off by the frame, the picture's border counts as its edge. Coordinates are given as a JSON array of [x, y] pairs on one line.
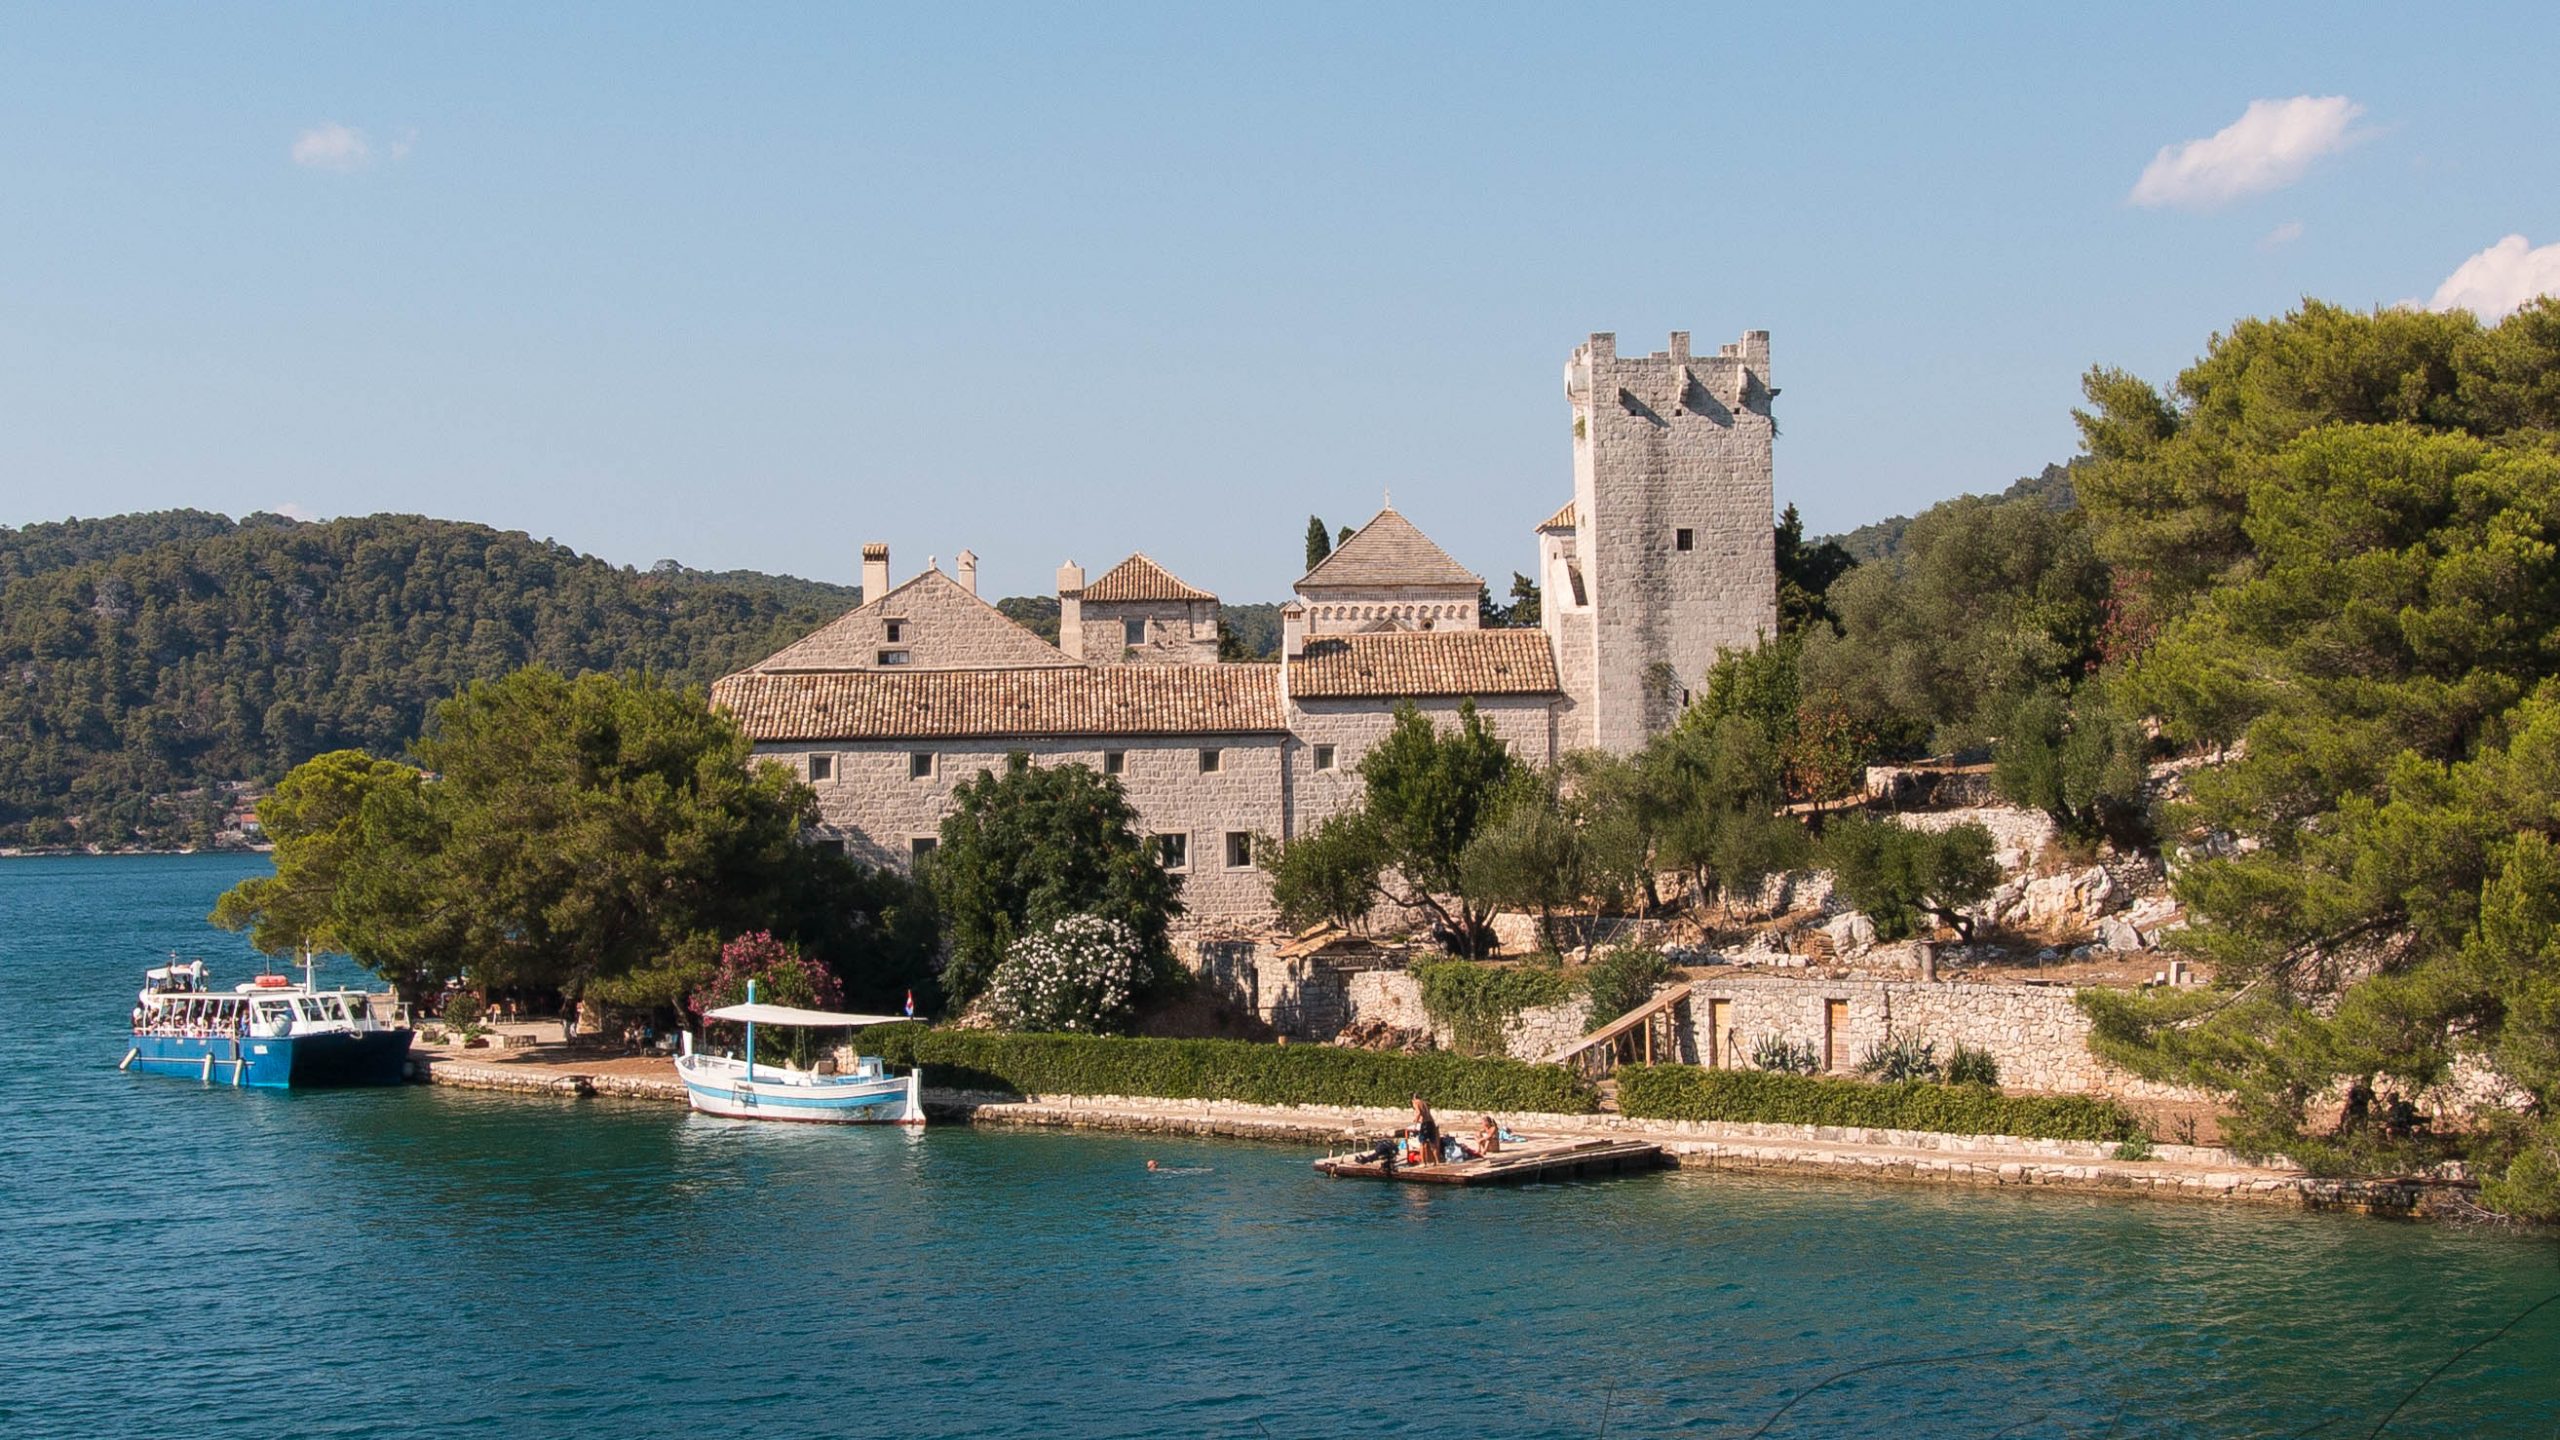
[[2191, 1173]]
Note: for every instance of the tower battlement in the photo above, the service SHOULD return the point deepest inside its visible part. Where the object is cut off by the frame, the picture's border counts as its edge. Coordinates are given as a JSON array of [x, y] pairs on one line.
[[1671, 558]]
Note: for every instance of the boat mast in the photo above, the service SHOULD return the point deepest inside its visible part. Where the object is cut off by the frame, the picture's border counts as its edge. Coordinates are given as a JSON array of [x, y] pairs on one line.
[[751, 1033]]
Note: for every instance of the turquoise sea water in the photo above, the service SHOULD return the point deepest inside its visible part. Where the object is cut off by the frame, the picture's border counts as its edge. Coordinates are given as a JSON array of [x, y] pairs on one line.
[[210, 1263]]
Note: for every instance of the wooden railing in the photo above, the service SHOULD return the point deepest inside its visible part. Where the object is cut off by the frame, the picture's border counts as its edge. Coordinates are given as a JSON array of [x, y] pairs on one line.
[[1649, 1033]]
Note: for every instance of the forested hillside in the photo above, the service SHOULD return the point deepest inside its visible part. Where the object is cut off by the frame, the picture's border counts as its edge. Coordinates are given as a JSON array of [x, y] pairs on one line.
[[152, 655]]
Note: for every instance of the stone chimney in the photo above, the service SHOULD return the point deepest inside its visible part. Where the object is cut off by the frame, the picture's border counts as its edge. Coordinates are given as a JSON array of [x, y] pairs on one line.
[[968, 567], [1071, 609], [875, 571], [1293, 639]]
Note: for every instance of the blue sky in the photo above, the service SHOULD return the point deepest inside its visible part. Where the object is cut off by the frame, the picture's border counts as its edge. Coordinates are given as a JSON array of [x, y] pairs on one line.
[[749, 285]]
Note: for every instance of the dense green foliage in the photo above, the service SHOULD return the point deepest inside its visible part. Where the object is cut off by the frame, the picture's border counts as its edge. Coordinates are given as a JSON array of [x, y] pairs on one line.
[[1319, 542], [1686, 1092], [1521, 614], [1986, 601], [2079, 759], [1030, 845], [596, 836], [1478, 1002], [1882, 539], [1528, 855], [1329, 875], [1806, 573], [1899, 876], [1224, 1070], [1426, 793], [157, 655], [2338, 550], [1624, 977]]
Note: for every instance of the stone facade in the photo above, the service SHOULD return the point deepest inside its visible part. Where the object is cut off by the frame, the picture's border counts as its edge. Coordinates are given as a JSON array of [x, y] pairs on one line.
[[932, 622], [881, 810], [1663, 556], [2035, 1032], [1666, 550]]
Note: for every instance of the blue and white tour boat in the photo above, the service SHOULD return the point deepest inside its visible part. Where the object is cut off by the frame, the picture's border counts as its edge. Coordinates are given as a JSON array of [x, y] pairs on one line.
[[269, 1032], [743, 1090]]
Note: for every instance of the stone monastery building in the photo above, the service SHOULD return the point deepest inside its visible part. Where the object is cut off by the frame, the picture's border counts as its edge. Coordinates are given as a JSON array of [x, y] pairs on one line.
[[1661, 557]]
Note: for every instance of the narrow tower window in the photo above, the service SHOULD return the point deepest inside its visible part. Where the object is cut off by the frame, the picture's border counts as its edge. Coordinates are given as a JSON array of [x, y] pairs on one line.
[[1682, 539]]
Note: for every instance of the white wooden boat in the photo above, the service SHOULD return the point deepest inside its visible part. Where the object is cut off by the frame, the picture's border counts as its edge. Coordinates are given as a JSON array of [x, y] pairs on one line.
[[743, 1090]]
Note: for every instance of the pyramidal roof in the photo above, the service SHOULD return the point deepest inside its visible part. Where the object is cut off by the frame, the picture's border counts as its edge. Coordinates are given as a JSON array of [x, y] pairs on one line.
[[1388, 551], [1139, 578]]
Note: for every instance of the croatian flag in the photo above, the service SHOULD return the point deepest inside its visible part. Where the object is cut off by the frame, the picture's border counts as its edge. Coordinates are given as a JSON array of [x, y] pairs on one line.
[[911, 1004]]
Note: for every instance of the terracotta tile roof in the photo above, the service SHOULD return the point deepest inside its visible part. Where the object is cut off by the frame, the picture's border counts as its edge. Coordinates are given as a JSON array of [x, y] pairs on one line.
[[1388, 551], [1563, 519], [1425, 662], [957, 704], [1139, 578]]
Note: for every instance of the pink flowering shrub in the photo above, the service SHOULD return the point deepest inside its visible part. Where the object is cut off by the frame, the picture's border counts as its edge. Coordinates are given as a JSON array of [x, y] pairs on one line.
[[782, 974]]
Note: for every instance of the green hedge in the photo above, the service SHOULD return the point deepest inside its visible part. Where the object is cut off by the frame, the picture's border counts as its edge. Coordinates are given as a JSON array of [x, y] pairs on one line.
[[1686, 1092], [1223, 1070]]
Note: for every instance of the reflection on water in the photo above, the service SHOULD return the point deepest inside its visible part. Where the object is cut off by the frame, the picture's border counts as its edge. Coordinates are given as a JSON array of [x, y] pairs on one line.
[[228, 1264]]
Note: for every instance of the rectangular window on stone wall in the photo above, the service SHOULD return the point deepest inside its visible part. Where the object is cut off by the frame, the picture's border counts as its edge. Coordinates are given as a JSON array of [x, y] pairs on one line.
[[822, 767], [1239, 849], [832, 844], [920, 765], [1133, 632], [1682, 539], [1115, 762], [1209, 762], [1174, 850], [893, 657], [921, 846], [895, 632], [1324, 757]]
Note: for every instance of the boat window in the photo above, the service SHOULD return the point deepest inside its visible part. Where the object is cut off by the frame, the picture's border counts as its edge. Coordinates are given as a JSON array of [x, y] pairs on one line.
[[333, 1007]]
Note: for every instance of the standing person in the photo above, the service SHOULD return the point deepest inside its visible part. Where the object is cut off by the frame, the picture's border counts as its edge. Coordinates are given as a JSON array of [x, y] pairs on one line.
[[1426, 1131], [568, 1022]]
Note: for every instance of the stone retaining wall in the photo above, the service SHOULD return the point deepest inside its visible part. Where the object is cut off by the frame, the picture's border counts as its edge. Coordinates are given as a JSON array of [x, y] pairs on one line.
[[1395, 997], [2035, 1032]]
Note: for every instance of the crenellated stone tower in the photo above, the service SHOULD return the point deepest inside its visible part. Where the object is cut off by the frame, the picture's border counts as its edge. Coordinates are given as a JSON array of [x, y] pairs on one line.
[[1665, 555]]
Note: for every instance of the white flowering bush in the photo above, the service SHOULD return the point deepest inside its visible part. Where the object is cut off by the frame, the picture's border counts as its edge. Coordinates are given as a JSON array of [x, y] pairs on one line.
[[1080, 974]]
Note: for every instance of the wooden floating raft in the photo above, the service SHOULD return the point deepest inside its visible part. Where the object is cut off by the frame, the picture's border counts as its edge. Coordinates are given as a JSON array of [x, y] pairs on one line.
[[1529, 1160]]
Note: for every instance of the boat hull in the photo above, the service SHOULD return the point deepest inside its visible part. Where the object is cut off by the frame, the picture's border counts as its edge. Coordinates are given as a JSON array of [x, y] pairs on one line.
[[888, 1100], [266, 1062]]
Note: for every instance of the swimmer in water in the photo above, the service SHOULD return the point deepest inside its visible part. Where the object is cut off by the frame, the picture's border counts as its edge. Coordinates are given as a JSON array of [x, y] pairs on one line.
[[1151, 1165]]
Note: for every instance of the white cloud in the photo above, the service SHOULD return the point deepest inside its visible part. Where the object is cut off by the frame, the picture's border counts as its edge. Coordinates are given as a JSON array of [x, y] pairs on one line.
[[332, 146], [2500, 279], [2269, 147], [2281, 236]]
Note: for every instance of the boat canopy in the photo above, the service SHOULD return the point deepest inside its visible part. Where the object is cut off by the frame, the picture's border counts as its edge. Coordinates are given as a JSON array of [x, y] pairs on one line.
[[761, 1014]]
